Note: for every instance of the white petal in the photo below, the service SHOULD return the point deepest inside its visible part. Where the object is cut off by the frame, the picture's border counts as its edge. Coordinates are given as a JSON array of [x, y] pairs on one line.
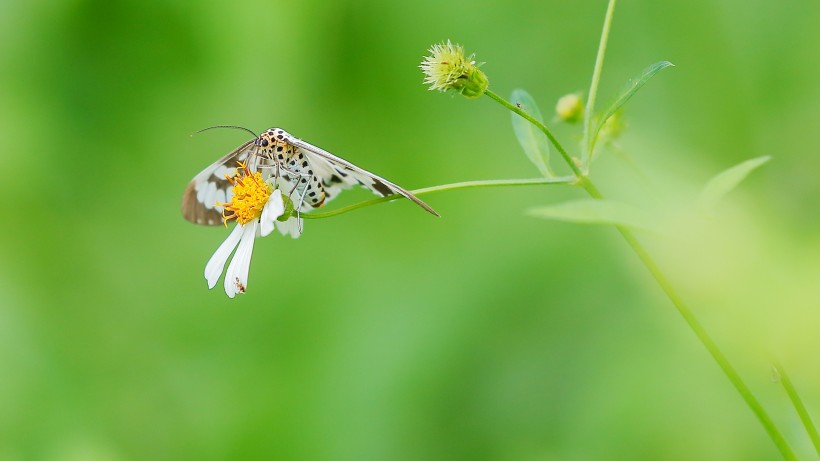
[[272, 210], [236, 277], [265, 225], [217, 262], [284, 227], [291, 226]]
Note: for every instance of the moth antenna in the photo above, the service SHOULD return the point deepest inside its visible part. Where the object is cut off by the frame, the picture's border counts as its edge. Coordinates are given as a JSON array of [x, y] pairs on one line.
[[234, 127]]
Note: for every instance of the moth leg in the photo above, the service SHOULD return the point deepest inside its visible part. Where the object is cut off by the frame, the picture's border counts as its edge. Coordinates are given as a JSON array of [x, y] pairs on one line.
[[276, 173], [268, 173], [307, 180], [297, 176], [307, 177], [310, 179]]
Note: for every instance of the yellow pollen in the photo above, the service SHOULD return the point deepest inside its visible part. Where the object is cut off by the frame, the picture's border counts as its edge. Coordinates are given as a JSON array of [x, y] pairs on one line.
[[250, 194]]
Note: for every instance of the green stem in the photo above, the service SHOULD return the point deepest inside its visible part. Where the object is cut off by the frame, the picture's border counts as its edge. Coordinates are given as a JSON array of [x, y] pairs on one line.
[[710, 345], [589, 143], [445, 187], [798, 405], [541, 126], [666, 286], [576, 170]]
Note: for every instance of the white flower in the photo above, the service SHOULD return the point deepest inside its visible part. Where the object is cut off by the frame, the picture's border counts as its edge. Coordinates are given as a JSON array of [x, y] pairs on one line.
[[243, 236]]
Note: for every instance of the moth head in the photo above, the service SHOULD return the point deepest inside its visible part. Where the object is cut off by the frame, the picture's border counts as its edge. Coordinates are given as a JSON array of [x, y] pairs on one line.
[[273, 137]]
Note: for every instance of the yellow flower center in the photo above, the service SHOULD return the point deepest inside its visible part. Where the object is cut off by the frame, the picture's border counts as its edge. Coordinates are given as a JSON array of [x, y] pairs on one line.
[[250, 194]]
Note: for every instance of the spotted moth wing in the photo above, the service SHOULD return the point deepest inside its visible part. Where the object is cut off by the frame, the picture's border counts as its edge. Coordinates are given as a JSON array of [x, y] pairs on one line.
[[210, 186], [337, 174]]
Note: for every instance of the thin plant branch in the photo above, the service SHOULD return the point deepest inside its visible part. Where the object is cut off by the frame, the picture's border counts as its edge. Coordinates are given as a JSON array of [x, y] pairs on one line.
[[797, 402], [566, 180], [589, 143]]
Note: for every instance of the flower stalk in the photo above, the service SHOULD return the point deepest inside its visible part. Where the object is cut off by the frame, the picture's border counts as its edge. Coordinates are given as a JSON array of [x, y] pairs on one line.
[[566, 180], [589, 141]]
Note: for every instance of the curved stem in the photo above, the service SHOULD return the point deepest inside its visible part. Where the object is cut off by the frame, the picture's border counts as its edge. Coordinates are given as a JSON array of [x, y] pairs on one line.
[[797, 402], [445, 187], [572, 164], [674, 297]]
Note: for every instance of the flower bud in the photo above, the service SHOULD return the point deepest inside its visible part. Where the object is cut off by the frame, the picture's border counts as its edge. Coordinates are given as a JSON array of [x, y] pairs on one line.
[[570, 108], [612, 128], [447, 68]]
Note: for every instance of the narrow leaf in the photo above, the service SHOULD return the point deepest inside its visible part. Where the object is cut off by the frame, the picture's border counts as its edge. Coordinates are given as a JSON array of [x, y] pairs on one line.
[[532, 140], [632, 87], [726, 181], [590, 211]]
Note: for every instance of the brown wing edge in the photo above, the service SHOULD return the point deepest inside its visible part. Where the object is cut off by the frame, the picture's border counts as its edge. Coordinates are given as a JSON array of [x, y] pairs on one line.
[[380, 183], [419, 202], [195, 212]]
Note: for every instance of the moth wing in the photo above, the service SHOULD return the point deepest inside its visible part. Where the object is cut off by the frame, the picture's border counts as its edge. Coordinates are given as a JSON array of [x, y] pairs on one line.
[[210, 186], [337, 174]]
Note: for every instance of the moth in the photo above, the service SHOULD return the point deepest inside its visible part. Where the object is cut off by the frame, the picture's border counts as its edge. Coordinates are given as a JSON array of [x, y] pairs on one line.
[[310, 175]]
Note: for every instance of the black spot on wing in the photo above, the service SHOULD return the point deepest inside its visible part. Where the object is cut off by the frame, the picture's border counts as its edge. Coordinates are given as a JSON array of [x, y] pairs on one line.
[[381, 188]]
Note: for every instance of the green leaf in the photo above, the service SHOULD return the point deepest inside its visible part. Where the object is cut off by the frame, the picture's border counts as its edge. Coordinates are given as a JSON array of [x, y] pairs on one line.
[[532, 140], [726, 181], [632, 87], [590, 211]]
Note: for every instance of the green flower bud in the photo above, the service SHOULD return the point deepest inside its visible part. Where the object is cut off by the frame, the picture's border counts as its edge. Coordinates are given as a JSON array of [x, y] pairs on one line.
[[447, 68], [570, 108], [612, 128]]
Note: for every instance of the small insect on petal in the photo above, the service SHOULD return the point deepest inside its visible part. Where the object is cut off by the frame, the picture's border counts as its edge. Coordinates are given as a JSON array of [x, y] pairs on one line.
[[241, 262]]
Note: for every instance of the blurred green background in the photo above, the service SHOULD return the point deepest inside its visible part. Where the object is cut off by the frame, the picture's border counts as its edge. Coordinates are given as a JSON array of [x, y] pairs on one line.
[[387, 334]]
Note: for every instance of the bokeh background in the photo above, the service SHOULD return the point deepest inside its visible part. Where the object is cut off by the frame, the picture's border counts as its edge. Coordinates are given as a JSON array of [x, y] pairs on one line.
[[387, 334]]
